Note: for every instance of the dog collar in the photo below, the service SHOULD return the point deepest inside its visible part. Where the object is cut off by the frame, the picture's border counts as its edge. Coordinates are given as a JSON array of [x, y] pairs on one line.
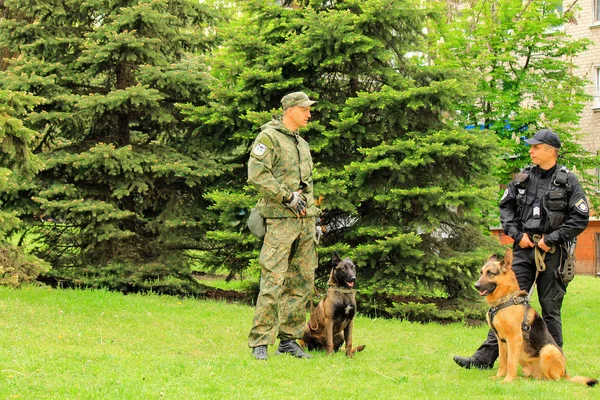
[[509, 299], [342, 290], [513, 301]]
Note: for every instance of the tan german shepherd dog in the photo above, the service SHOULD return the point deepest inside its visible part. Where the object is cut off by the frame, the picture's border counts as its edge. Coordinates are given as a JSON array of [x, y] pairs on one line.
[[331, 322], [523, 337]]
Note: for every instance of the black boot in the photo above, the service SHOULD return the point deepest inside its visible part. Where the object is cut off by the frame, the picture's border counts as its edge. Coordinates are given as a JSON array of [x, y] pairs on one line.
[[292, 348], [472, 362], [260, 353]]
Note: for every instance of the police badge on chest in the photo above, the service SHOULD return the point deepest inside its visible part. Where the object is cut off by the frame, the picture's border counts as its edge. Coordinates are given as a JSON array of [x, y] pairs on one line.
[[533, 223]]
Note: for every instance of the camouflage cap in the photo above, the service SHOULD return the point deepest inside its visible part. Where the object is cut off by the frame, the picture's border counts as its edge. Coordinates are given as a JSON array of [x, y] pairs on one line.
[[296, 99]]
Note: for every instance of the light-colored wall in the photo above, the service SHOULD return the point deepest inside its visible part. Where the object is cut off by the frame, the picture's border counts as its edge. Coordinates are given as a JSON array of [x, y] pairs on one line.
[[588, 61], [586, 26]]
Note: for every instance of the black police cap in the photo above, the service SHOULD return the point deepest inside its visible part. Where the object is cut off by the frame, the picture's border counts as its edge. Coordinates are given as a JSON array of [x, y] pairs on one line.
[[545, 136]]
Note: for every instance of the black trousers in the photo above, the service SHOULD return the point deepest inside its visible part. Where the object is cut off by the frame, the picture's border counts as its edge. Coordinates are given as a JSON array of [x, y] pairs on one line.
[[551, 291]]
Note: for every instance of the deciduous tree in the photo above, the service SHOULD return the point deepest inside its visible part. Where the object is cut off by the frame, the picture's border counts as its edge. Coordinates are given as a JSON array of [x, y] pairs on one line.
[[522, 74]]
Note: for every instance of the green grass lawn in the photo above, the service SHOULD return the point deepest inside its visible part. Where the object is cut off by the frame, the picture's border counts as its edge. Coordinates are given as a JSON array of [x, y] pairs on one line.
[[75, 344]]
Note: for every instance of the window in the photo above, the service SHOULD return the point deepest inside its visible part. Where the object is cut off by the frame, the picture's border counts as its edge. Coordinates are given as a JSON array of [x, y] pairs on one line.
[[598, 175], [555, 11], [596, 11], [597, 86], [559, 9]]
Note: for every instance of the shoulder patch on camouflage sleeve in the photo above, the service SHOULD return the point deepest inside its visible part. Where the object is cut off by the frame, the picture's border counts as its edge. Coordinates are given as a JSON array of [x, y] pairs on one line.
[[262, 144], [259, 149], [264, 139]]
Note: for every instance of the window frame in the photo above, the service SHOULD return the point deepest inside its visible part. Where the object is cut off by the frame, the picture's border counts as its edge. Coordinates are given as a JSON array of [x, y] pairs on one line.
[[596, 94]]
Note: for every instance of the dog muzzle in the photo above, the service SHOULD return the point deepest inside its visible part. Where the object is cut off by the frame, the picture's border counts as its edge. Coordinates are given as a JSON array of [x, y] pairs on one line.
[[489, 289]]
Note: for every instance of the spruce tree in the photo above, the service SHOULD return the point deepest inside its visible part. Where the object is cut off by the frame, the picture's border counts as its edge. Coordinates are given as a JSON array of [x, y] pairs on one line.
[[17, 166], [124, 174], [405, 188]]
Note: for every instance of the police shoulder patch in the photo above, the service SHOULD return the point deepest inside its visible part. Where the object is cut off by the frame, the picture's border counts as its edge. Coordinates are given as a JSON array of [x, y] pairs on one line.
[[581, 205]]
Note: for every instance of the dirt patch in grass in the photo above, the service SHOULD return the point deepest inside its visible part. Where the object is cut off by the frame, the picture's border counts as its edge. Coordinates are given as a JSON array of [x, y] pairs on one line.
[[230, 296]]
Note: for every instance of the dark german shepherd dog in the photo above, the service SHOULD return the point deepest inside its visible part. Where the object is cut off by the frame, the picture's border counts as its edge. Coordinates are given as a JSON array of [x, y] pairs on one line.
[[523, 337], [331, 321]]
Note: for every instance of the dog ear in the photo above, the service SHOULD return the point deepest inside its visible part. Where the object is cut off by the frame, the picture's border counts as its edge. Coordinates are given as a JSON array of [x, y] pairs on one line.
[[493, 257], [508, 259], [331, 278], [335, 258]]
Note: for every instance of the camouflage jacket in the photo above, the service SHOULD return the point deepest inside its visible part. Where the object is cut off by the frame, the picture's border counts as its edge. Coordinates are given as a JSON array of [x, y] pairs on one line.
[[280, 163]]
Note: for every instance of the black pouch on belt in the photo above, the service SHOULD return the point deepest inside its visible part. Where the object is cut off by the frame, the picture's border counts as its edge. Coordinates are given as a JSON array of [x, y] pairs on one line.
[[566, 271], [557, 206], [533, 223]]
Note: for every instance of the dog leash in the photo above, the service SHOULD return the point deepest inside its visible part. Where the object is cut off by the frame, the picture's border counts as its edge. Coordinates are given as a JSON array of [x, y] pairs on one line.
[[540, 264], [540, 255], [312, 306]]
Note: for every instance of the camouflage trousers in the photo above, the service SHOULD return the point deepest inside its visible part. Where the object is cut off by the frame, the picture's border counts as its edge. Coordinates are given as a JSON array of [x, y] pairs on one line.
[[288, 259]]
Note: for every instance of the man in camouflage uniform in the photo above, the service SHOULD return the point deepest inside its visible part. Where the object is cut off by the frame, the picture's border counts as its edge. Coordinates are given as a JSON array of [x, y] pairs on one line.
[[280, 167]]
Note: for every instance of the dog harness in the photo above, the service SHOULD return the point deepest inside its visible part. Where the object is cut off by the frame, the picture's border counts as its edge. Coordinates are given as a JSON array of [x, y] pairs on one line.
[[513, 301]]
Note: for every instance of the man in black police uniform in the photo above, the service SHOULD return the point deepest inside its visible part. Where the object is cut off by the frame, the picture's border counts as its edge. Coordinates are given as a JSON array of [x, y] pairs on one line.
[[543, 210]]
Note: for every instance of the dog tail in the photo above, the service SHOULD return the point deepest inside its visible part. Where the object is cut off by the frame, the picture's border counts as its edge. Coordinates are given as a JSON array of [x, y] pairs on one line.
[[583, 380], [554, 366], [358, 348]]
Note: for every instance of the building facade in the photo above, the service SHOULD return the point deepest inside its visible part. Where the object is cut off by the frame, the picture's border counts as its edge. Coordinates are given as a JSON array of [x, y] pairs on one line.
[[587, 25]]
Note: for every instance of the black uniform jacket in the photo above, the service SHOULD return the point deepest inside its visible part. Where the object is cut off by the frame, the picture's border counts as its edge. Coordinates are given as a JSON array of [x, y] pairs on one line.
[[559, 220]]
